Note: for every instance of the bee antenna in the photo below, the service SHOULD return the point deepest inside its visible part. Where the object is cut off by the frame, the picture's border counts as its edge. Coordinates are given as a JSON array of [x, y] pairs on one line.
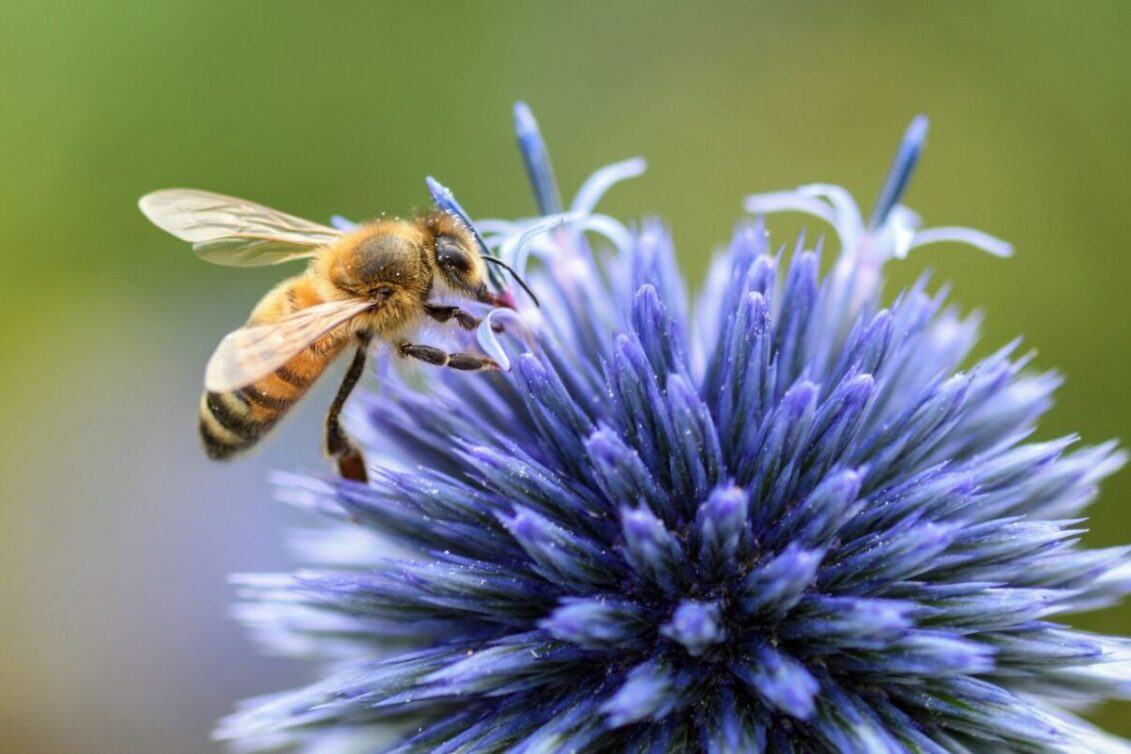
[[515, 275]]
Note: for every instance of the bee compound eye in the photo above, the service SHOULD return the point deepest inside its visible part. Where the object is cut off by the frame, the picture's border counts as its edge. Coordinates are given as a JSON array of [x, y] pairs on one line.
[[451, 254]]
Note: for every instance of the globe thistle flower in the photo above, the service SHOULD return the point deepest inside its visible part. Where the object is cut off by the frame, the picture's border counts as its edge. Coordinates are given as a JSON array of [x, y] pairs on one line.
[[788, 520]]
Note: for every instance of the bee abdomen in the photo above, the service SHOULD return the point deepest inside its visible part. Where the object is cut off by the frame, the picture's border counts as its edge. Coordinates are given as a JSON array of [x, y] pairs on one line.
[[232, 422]]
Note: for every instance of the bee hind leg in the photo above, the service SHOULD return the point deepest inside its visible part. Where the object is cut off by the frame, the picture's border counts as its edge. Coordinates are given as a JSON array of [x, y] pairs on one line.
[[351, 463], [466, 362]]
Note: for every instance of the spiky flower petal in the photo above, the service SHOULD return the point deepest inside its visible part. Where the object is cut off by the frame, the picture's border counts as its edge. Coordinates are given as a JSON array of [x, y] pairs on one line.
[[789, 521]]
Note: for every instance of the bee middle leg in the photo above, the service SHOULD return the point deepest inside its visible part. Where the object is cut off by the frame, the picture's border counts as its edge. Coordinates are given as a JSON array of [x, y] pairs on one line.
[[351, 464], [467, 362]]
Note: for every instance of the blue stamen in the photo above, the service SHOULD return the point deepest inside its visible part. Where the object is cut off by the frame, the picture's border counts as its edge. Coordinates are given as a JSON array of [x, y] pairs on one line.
[[899, 175], [537, 161]]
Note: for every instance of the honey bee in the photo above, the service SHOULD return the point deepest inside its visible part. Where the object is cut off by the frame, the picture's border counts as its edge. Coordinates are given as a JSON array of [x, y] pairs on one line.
[[374, 283]]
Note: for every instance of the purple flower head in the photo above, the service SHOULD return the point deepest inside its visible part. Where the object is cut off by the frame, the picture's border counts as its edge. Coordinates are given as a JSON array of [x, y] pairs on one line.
[[783, 520]]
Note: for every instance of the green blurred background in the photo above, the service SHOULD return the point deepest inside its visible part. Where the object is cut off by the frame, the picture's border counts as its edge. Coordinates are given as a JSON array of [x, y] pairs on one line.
[[116, 534]]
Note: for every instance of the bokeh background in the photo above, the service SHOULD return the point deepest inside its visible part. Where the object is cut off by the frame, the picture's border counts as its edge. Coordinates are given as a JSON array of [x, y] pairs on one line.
[[116, 535]]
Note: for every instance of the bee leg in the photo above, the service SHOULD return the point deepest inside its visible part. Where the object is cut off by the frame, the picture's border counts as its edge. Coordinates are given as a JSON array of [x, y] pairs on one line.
[[351, 464], [466, 320], [467, 362]]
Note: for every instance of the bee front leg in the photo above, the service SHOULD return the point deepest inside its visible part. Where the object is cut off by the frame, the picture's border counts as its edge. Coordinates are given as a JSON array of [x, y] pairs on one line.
[[351, 464], [466, 320], [467, 362]]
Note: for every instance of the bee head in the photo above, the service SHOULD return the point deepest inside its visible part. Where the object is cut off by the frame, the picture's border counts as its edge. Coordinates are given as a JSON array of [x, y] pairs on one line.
[[457, 259]]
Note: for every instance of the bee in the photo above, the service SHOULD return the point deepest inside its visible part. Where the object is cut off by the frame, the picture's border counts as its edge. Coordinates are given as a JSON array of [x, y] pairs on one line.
[[373, 283]]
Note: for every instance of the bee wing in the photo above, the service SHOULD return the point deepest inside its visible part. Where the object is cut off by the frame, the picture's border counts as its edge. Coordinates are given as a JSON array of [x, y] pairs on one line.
[[251, 353], [234, 232]]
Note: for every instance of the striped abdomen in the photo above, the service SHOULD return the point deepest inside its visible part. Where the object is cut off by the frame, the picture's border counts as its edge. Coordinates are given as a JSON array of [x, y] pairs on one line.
[[233, 422]]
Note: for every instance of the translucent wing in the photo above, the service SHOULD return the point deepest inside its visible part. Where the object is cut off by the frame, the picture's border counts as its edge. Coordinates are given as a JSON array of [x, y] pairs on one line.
[[253, 352], [234, 232]]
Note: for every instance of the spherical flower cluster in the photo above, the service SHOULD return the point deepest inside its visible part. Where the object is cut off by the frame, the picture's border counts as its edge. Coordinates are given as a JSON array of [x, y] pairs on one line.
[[785, 520]]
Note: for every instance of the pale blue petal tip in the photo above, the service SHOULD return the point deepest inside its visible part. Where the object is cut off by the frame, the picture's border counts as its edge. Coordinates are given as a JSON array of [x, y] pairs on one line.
[[340, 223], [604, 179], [488, 340]]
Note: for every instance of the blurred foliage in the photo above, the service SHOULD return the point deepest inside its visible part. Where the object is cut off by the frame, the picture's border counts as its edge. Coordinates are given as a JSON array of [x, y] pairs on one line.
[[117, 535]]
